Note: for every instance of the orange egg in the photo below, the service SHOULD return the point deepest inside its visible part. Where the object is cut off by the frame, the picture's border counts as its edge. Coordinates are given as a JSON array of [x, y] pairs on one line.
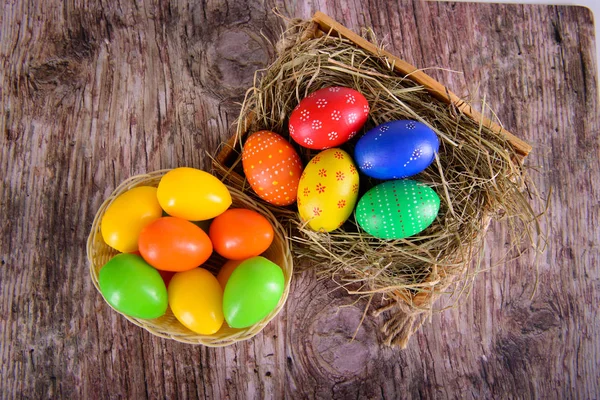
[[240, 233], [272, 167]]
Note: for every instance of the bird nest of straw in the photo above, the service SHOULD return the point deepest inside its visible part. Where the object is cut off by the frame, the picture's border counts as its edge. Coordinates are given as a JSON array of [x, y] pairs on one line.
[[477, 174]]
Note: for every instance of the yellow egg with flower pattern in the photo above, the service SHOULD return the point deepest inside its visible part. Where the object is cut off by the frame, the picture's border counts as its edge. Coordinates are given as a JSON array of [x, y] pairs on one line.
[[328, 190]]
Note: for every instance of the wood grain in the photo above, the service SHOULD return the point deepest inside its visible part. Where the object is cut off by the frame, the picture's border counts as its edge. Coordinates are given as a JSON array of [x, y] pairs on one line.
[[94, 92]]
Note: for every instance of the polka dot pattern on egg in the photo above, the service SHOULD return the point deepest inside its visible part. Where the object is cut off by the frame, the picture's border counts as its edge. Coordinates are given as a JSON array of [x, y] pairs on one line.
[[272, 167], [397, 209]]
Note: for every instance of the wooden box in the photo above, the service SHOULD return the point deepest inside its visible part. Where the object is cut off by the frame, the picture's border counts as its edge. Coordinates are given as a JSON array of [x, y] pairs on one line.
[[228, 160]]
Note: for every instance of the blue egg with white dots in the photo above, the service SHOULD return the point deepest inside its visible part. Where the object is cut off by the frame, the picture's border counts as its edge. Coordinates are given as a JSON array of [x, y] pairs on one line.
[[397, 209], [396, 149]]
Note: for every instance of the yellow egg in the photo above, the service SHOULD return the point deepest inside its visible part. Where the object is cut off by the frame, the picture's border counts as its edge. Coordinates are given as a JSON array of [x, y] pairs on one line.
[[192, 194], [196, 299], [328, 190], [127, 215]]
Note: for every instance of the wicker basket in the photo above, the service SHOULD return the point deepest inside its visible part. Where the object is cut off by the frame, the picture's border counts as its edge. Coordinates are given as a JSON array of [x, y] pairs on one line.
[[167, 326]]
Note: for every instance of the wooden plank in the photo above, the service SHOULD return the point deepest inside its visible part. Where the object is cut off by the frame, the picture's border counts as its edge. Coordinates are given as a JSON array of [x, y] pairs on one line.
[[91, 94]]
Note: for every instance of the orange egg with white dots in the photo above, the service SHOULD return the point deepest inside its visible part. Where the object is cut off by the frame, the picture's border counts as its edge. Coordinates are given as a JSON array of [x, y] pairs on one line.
[[272, 167]]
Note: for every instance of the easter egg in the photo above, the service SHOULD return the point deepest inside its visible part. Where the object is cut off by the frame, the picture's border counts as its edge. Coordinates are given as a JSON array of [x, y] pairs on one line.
[[192, 194], [272, 167], [174, 244], [127, 215], [328, 190], [396, 149], [132, 287], [226, 271], [195, 297], [252, 292], [397, 209], [240, 233], [328, 117]]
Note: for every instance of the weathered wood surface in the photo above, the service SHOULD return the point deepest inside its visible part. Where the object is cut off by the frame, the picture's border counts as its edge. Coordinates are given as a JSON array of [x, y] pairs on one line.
[[92, 93]]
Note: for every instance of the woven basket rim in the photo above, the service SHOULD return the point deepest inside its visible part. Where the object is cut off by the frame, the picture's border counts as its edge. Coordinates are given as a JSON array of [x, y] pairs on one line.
[[159, 327]]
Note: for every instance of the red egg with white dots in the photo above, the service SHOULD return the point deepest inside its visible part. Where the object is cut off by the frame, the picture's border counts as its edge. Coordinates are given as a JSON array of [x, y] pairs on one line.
[[328, 117], [272, 167]]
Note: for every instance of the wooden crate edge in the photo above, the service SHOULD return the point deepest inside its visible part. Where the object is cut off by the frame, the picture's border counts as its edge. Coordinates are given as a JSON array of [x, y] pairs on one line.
[[439, 91]]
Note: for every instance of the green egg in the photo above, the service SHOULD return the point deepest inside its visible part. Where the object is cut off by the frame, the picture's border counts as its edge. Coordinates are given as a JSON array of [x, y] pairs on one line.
[[397, 209], [133, 287], [252, 292]]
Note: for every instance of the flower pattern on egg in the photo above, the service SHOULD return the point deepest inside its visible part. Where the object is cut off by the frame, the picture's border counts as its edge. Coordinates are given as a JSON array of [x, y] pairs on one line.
[[304, 115], [333, 109], [328, 186]]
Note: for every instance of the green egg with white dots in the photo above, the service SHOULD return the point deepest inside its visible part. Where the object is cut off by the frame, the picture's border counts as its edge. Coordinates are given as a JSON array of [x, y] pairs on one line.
[[397, 209]]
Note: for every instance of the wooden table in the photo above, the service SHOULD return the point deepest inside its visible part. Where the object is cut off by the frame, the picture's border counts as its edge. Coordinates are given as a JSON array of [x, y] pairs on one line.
[[93, 93]]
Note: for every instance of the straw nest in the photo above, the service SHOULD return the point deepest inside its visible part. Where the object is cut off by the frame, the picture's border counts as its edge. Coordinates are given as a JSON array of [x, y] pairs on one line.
[[167, 326], [477, 175]]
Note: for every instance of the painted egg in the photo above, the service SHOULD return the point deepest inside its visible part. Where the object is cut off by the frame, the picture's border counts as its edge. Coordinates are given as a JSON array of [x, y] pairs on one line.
[[192, 194], [397, 209], [174, 244], [328, 117], [272, 167], [396, 149], [328, 190], [196, 299], [252, 292]]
